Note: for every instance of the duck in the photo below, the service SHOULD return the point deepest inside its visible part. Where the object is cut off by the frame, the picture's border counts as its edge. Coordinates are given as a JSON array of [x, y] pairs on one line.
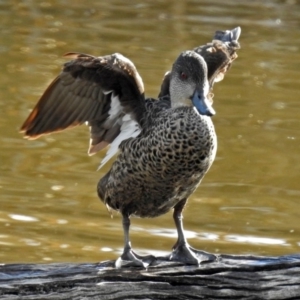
[[164, 146]]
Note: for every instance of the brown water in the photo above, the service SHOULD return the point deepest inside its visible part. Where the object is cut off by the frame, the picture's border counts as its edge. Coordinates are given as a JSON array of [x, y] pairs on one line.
[[249, 200]]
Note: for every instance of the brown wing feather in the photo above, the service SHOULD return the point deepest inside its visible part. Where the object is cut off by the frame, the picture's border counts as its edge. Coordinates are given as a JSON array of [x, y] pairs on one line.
[[218, 55], [82, 93], [61, 107]]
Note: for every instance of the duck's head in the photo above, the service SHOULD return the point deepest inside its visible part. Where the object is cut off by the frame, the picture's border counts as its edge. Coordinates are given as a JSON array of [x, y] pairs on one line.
[[188, 83]]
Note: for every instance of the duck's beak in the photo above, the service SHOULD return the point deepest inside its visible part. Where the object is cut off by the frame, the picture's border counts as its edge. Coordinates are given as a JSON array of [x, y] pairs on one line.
[[202, 104]]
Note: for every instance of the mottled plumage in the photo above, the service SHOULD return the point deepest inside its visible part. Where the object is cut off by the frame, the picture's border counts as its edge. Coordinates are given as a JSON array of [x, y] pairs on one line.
[[163, 165], [165, 146]]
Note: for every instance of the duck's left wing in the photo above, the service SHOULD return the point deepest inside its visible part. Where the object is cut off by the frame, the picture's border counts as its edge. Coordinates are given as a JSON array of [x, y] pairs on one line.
[[105, 92]]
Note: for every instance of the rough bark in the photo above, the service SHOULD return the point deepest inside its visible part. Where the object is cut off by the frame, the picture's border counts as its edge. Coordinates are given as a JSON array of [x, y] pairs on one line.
[[231, 277]]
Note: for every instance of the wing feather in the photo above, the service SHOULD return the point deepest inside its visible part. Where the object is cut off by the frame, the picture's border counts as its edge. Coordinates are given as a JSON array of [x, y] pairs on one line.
[[218, 55], [98, 91]]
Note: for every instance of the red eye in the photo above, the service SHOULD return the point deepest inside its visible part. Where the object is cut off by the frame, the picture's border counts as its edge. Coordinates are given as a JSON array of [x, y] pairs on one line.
[[183, 76]]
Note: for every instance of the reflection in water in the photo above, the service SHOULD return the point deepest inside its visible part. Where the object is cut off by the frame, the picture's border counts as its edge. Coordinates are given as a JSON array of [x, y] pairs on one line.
[[255, 240], [23, 218], [248, 202]]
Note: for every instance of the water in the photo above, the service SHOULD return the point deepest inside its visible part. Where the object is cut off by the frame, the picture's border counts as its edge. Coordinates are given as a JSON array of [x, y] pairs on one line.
[[247, 203]]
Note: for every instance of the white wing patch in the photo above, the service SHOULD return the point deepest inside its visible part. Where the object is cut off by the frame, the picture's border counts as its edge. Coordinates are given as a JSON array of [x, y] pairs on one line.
[[130, 128], [115, 107]]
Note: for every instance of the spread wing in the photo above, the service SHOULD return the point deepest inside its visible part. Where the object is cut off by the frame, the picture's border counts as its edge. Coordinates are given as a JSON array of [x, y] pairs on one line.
[[105, 92], [218, 55]]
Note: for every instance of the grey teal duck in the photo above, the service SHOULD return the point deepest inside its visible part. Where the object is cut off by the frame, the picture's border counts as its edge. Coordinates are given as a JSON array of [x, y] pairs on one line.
[[164, 146]]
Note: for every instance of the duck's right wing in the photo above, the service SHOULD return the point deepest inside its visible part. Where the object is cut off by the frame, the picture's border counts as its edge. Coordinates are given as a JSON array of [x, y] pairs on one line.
[[218, 55], [105, 92]]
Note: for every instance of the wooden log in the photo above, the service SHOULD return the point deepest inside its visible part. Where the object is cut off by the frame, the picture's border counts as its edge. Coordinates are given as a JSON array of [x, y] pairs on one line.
[[231, 277]]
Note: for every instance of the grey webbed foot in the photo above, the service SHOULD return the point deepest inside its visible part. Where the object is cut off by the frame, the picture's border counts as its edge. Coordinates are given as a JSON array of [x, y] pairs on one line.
[[182, 251], [130, 259], [186, 254]]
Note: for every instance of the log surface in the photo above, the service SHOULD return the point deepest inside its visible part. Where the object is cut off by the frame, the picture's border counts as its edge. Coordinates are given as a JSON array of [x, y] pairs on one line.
[[231, 277]]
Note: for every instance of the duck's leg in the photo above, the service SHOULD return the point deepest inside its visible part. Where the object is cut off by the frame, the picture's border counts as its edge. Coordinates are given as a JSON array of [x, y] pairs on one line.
[[182, 251], [128, 257]]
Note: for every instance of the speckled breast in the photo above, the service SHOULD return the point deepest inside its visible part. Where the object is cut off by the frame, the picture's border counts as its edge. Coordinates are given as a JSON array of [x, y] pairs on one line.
[[156, 170]]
